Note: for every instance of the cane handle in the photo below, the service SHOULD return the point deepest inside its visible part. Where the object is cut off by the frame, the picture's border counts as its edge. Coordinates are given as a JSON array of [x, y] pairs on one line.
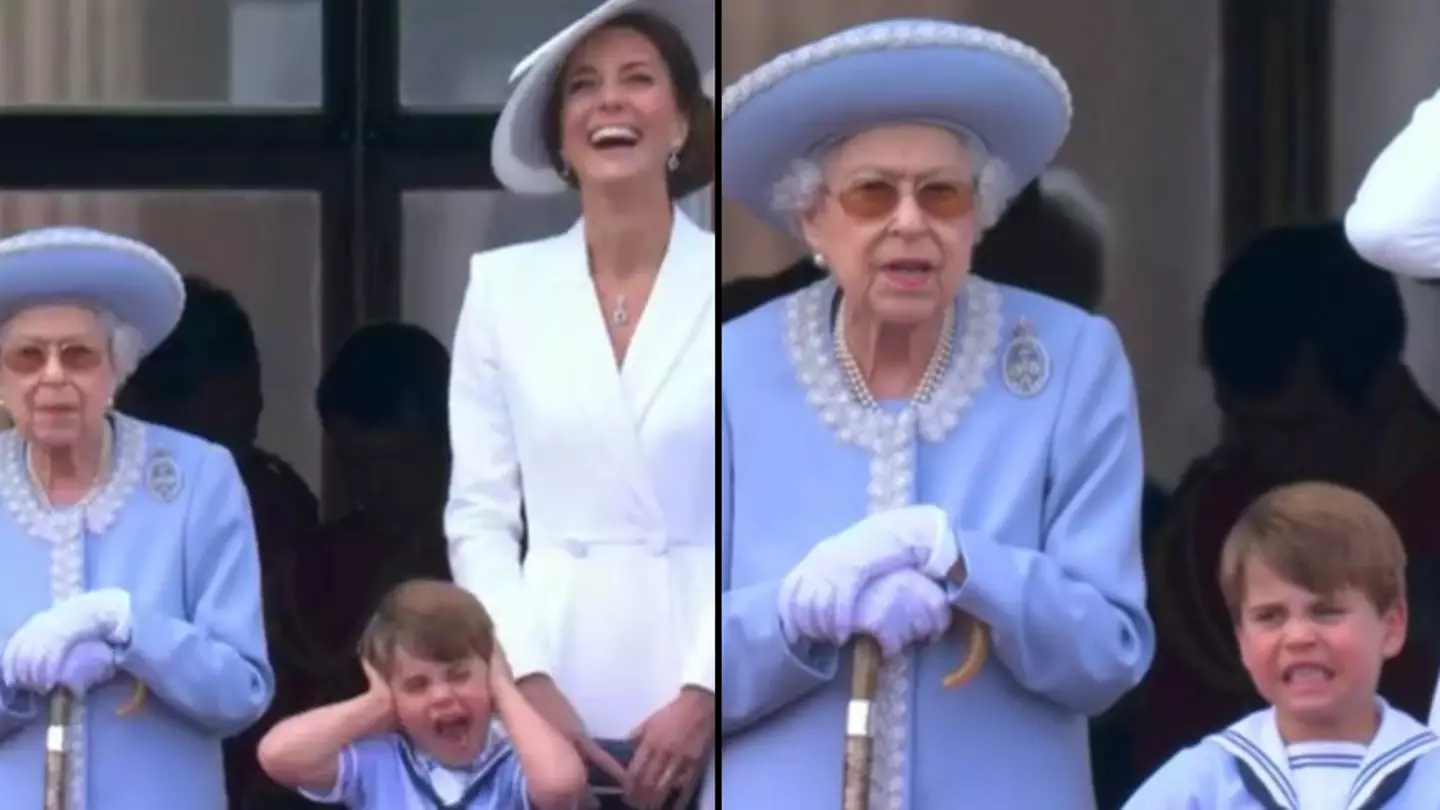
[[977, 650], [137, 699]]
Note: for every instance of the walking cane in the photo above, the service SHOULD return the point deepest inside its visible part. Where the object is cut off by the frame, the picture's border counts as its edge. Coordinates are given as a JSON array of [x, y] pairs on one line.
[[865, 681], [57, 755], [57, 759]]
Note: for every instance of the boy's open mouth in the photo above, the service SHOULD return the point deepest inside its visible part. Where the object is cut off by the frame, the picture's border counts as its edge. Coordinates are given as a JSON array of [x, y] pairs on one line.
[[453, 729]]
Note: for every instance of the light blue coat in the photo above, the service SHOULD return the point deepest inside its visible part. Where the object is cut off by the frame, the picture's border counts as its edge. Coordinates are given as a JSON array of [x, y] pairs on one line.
[[1032, 446], [173, 528]]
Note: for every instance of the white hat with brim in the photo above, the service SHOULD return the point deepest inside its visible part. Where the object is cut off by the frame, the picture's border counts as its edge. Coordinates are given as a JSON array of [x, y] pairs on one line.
[[518, 150], [66, 265], [964, 78]]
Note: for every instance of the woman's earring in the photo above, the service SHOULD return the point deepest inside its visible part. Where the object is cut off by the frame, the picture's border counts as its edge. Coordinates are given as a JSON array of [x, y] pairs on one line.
[[674, 162], [565, 172], [819, 260]]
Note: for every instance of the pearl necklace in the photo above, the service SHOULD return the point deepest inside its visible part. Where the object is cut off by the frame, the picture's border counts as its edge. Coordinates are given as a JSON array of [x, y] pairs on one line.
[[929, 381]]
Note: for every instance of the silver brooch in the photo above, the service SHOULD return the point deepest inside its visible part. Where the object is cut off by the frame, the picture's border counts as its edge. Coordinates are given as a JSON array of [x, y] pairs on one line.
[[1026, 364], [162, 476]]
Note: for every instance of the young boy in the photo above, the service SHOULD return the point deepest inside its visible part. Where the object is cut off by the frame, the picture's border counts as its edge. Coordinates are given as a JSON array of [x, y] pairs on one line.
[[423, 736], [1314, 578]]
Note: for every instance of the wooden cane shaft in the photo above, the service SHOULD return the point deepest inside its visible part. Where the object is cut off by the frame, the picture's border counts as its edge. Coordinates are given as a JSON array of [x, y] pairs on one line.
[[864, 683], [857, 774], [57, 759], [864, 668]]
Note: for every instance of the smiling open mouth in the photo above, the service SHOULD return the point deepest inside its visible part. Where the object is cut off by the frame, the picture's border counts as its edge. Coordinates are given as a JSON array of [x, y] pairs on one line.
[[614, 138]]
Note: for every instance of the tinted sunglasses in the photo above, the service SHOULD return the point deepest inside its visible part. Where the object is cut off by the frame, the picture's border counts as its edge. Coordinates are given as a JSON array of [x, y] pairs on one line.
[[72, 358], [871, 200]]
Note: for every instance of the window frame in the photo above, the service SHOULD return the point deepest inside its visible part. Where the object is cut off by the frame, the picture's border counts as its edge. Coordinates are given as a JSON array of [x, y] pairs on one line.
[[359, 151]]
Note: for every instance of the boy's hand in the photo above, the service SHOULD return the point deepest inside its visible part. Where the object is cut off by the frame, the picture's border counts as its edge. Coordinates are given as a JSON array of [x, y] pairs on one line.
[[500, 674], [379, 695]]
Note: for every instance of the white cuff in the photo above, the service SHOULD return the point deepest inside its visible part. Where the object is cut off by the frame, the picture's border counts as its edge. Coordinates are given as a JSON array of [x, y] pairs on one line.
[[944, 551], [117, 618], [699, 668]]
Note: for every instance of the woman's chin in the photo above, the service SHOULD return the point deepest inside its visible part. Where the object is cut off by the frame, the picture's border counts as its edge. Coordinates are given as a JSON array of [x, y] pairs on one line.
[[898, 307], [51, 431], [618, 173]]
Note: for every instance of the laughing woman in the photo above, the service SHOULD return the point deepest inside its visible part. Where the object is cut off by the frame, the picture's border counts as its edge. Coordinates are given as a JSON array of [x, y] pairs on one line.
[[583, 383], [131, 577]]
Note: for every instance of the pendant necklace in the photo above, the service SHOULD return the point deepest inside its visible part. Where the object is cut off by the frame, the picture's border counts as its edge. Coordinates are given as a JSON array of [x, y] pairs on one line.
[[620, 315]]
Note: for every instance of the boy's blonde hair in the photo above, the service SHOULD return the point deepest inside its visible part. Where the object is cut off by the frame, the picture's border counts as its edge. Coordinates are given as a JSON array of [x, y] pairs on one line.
[[1321, 537], [431, 620]]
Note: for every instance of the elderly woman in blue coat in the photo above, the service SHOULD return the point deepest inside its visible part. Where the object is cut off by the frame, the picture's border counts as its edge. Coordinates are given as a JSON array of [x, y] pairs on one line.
[[904, 442], [131, 581]]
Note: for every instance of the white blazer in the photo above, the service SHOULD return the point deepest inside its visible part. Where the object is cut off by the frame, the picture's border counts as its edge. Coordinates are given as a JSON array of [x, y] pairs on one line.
[[1395, 219], [616, 469]]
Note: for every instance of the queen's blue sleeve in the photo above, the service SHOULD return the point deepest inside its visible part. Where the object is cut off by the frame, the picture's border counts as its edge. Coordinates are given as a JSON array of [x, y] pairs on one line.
[[210, 666], [1068, 619], [760, 671], [18, 708]]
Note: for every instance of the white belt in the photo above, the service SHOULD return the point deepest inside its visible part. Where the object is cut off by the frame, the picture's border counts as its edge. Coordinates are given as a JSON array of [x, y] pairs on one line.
[[658, 544]]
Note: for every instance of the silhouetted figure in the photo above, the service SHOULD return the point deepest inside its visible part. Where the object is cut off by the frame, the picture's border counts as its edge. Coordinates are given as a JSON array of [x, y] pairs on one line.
[[383, 404], [1303, 341], [205, 380], [1052, 240]]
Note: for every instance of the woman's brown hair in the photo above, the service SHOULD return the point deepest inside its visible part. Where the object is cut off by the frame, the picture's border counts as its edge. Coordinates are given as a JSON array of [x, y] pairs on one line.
[[697, 156]]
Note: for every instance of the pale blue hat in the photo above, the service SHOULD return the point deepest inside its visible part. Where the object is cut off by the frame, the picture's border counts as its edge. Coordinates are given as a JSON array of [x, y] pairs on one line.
[[126, 278], [987, 85]]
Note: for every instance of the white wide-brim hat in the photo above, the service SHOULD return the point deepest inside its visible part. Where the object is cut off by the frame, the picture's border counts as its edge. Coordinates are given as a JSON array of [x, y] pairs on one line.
[[518, 149], [964, 78], [67, 265]]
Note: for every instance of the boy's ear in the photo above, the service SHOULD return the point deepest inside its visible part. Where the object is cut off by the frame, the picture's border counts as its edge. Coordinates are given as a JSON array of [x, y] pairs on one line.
[[1394, 622]]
